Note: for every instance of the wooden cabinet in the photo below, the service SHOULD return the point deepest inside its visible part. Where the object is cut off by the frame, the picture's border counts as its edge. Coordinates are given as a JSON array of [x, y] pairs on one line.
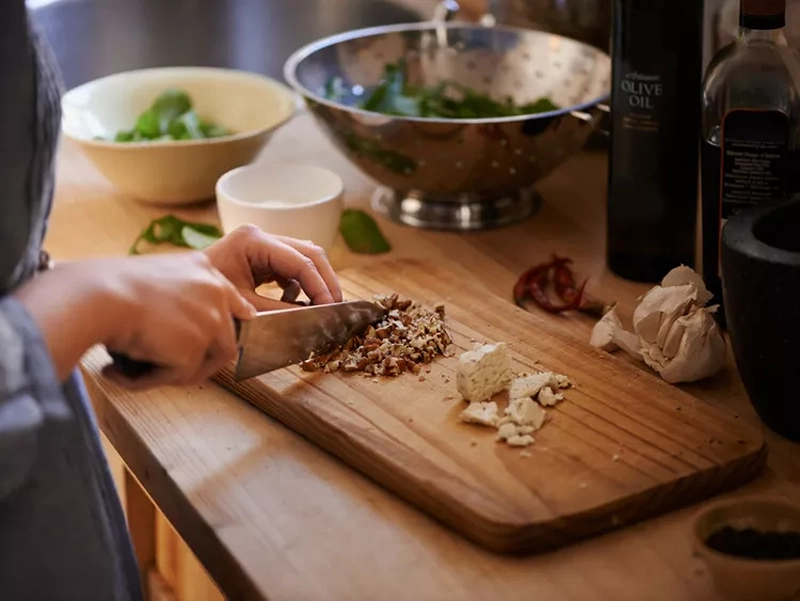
[[170, 571]]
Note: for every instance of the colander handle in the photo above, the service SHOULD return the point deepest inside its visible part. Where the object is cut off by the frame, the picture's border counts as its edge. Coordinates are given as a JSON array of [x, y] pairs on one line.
[[448, 10], [593, 120]]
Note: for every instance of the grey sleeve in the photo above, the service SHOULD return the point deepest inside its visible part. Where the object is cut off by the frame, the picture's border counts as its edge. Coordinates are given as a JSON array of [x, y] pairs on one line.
[[18, 132], [27, 376]]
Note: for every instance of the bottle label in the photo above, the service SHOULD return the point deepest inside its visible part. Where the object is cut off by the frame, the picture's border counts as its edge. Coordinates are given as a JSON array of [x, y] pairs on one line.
[[641, 95], [754, 160], [755, 148]]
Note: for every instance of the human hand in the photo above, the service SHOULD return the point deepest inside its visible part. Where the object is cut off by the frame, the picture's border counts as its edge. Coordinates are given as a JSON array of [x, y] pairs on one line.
[[180, 312], [248, 257], [174, 311]]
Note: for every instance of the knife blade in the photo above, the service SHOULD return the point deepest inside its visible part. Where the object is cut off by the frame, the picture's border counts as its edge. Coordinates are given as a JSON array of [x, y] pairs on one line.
[[276, 339], [280, 338]]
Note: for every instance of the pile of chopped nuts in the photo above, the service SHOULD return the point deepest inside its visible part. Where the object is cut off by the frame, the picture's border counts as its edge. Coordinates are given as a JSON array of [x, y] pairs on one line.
[[407, 337]]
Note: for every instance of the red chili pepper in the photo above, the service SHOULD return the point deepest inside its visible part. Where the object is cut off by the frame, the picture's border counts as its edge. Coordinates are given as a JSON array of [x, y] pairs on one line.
[[534, 282], [564, 280], [523, 285]]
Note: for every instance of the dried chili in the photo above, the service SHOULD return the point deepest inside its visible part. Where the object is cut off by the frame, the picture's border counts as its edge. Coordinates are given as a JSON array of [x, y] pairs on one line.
[[533, 283], [564, 283]]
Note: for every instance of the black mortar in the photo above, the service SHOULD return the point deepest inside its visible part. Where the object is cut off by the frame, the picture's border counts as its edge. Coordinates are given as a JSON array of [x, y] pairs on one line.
[[761, 293]]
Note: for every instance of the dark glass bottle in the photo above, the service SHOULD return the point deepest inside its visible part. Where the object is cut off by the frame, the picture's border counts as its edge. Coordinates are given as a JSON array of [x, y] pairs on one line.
[[751, 127], [653, 178]]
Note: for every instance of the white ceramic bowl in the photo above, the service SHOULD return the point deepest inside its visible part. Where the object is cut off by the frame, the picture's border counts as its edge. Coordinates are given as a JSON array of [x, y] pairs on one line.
[[175, 172], [285, 199]]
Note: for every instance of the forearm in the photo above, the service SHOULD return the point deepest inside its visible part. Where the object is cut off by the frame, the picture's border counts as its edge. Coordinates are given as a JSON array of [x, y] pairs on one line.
[[71, 312]]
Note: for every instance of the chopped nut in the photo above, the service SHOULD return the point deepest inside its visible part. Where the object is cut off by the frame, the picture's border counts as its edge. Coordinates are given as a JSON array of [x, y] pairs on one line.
[[406, 338]]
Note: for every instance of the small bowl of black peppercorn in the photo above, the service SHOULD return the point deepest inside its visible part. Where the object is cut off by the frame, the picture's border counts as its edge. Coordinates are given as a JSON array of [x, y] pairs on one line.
[[751, 547]]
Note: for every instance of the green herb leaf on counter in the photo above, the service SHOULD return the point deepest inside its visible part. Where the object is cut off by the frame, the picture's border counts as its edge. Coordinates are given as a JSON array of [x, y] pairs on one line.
[[173, 230], [171, 117], [361, 234]]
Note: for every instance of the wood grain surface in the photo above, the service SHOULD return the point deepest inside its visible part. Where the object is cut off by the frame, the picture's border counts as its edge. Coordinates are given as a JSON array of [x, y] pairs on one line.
[[272, 516], [623, 446]]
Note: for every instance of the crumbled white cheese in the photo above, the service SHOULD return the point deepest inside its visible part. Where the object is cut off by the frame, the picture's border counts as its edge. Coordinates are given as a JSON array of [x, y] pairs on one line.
[[482, 413], [520, 440], [526, 412], [548, 398], [483, 372], [506, 431], [562, 381], [529, 386]]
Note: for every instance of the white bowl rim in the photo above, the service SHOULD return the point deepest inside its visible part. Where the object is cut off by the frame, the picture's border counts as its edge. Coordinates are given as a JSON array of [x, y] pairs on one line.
[[230, 199], [265, 80]]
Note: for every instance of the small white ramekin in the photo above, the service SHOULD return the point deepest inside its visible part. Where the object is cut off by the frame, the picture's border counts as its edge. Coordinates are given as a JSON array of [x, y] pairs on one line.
[[285, 199]]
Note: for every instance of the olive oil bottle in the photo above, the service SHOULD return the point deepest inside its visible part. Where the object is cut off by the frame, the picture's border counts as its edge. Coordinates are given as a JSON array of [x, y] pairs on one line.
[[653, 174]]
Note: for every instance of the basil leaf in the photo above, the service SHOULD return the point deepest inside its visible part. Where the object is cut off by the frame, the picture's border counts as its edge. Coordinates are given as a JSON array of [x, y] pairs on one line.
[[393, 95], [361, 234], [186, 127], [170, 105], [196, 239], [171, 117], [147, 125], [173, 230]]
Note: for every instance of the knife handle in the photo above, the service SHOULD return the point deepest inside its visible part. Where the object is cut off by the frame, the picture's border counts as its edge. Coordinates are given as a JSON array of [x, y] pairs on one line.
[[132, 369]]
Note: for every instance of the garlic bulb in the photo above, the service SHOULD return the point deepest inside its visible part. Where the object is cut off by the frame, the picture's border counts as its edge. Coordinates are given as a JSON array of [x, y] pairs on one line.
[[673, 330]]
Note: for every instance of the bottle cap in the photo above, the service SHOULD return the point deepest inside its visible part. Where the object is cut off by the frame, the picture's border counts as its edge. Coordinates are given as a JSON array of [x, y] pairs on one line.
[[763, 14]]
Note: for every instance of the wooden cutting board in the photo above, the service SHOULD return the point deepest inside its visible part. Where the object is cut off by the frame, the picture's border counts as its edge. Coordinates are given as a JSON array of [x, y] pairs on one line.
[[622, 446]]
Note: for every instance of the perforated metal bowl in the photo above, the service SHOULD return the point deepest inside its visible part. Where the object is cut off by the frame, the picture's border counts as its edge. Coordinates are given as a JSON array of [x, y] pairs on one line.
[[456, 173]]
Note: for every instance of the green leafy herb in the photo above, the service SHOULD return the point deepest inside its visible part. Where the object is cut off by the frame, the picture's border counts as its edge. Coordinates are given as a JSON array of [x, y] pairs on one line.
[[448, 99], [392, 160], [173, 230], [171, 117], [361, 233]]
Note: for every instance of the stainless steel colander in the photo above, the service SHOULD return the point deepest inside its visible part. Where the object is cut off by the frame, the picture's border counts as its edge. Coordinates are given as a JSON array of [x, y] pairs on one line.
[[456, 173]]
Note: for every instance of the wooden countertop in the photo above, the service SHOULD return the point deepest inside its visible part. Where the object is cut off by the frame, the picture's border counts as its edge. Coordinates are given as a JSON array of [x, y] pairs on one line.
[[273, 517]]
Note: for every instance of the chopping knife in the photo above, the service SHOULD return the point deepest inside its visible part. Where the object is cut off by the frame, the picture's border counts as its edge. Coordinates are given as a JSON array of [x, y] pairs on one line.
[[275, 339]]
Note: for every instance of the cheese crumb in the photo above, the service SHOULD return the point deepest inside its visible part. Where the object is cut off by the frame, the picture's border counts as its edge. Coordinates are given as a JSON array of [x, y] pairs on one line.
[[483, 372], [548, 398], [529, 386], [520, 440], [506, 431], [483, 413], [525, 454], [525, 412]]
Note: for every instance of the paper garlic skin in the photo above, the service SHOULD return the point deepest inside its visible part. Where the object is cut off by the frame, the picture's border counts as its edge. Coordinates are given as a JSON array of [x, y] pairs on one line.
[[674, 332], [695, 349], [603, 331]]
